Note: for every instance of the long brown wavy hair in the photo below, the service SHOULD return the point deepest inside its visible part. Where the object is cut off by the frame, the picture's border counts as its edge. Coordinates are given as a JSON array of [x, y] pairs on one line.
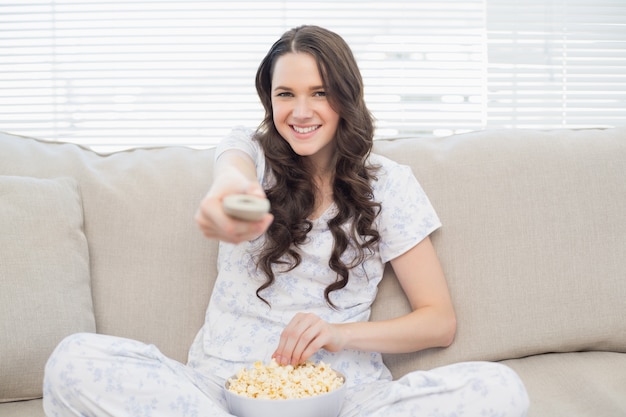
[[292, 196]]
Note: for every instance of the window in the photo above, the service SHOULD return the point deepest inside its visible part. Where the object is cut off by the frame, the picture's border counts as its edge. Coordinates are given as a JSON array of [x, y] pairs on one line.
[[556, 63], [125, 73]]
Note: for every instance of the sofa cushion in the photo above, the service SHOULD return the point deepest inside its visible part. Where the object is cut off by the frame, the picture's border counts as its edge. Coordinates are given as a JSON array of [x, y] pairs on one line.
[[44, 277], [31, 408], [578, 384]]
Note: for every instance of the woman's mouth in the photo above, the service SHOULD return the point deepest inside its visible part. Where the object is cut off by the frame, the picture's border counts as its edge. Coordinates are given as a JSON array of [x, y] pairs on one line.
[[305, 129]]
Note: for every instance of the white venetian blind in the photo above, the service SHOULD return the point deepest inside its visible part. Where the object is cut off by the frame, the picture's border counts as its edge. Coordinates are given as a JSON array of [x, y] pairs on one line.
[[131, 73], [556, 63], [125, 73]]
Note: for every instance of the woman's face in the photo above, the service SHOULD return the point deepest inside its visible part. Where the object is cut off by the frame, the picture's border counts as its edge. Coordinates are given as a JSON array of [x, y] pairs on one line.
[[301, 111]]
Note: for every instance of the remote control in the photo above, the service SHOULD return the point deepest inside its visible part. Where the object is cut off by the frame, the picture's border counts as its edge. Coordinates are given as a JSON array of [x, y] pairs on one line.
[[246, 207]]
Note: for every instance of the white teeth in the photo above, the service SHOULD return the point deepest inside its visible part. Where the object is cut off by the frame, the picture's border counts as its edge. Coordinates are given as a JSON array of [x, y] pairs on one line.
[[304, 129]]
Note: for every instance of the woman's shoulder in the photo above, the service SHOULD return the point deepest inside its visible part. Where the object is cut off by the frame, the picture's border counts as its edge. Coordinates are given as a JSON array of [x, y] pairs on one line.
[[240, 138], [386, 168], [392, 179]]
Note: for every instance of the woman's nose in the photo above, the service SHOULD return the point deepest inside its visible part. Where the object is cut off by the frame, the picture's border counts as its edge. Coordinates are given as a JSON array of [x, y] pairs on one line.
[[302, 109]]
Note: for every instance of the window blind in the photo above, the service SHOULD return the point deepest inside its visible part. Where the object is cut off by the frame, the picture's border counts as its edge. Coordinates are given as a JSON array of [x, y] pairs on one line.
[[132, 73], [126, 73], [556, 63]]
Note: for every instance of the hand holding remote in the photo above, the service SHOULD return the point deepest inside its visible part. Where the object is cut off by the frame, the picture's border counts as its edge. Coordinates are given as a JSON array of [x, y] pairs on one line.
[[246, 207]]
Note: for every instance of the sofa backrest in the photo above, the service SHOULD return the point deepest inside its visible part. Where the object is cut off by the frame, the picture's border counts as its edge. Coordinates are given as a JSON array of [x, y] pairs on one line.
[[532, 243]]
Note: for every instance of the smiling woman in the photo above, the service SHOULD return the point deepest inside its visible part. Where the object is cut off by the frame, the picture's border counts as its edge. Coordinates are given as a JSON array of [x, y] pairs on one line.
[[124, 73]]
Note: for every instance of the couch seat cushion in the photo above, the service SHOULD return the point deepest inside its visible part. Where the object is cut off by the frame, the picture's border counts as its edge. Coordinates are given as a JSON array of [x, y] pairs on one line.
[[578, 384], [32, 408]]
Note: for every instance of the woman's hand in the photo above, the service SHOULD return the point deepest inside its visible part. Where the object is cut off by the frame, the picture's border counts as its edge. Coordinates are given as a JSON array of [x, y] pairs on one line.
[[305, 334], [215, 223]]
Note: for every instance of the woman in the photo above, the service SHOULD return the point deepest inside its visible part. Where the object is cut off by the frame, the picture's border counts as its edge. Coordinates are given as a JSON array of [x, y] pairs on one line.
[[298, 284]]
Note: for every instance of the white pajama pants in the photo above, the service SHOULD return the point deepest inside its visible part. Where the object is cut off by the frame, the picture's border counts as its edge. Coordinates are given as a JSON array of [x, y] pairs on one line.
[[91, 375]]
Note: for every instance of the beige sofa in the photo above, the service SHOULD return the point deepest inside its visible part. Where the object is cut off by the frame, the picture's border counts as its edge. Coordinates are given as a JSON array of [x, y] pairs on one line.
[[533, 244]]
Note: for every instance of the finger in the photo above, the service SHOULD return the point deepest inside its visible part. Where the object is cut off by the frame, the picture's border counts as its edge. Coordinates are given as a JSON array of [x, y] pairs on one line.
[[312, 340], [216, 224], [288, 339], [298, 337], [247, 230], [281, 354]]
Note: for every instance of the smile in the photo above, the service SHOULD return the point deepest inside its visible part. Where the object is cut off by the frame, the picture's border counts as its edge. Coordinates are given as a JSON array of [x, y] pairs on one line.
[[305, 129]]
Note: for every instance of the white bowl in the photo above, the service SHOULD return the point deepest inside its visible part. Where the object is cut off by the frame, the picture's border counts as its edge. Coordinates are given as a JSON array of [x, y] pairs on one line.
[[322, 405]]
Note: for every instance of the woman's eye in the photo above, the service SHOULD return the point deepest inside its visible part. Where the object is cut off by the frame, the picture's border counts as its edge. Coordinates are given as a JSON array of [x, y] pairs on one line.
[[320, 94], [284, 94]]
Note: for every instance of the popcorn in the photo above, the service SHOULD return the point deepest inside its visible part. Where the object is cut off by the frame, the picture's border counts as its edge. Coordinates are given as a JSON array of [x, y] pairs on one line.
[[274, 381]]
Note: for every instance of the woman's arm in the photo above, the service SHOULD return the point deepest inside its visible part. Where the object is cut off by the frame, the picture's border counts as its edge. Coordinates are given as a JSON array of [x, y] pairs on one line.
[[432, 323], [235, 173]]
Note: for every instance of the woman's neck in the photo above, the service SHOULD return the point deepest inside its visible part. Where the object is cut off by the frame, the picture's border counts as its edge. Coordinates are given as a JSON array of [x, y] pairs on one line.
[[323, 186]]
